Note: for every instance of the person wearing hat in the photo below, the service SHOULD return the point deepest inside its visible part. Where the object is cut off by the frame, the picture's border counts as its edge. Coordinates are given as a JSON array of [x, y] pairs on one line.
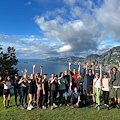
[[105, 89], [16, 89], [116, 84]]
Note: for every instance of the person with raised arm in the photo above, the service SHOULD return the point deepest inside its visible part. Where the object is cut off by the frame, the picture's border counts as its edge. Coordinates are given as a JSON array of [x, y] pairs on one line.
[[105, 89], [90, 76], [75, 97], [79, 83], [74, 74], [23, 89], [116, 84], [31, 89], [39, 89], [6, 91], [97, 87]]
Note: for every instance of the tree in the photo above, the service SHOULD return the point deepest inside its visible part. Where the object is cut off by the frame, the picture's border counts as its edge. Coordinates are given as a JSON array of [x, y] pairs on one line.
[[7, 62]]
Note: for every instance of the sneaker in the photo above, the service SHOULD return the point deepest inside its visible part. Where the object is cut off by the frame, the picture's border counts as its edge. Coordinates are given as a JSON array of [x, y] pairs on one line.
[[55, 105], [72, 107], [5, 107], [51, 107], [8, 106], [43, 107], [66, 104], [98, 108], [16, 105], [22, 108], [96, 105], [38, 107], [29, 108], [32, 107]]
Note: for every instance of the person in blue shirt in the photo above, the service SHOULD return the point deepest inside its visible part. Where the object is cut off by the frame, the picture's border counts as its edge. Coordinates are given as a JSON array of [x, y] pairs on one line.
[[75, 97], [62, 88]]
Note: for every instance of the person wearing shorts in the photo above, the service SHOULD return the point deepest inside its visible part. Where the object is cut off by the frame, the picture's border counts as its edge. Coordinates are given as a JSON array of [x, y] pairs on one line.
[[90, 76], [116, 85], [74, 74]]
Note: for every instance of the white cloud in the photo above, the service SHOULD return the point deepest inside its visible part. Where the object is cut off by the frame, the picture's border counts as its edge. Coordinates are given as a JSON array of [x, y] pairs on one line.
[[28, 3]]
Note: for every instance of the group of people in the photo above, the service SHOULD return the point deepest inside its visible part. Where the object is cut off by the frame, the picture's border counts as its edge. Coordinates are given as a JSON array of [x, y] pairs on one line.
[[38, 87]]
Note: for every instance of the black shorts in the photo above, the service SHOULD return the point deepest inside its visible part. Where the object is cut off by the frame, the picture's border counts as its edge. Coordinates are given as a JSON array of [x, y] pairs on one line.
[[89, 89], [6, 91]]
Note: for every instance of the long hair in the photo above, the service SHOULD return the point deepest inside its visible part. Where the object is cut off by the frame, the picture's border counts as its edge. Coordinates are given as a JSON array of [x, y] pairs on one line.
[[79, 75], [60, 74], [5, 79]]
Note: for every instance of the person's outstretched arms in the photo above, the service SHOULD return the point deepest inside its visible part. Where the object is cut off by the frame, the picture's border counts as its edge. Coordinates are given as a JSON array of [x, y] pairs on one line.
[[87, 67], [41, 67], [93, 68], [118, 63], [84, 71], [109, 75], [79, 68], [70, 66], [100, 72]]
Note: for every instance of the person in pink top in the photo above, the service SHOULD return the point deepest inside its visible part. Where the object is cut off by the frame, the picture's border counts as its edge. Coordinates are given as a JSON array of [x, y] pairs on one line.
[[74, 74]]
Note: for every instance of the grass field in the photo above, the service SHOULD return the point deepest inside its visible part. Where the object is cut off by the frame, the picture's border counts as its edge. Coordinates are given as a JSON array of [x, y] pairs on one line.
[[60, 113]]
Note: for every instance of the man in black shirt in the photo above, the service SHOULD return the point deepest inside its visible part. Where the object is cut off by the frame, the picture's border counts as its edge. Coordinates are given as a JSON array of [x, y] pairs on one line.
[[90, 76]]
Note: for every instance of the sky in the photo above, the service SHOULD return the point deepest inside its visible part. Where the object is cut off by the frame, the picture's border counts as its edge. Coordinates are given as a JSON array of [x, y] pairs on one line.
[[59, 28]]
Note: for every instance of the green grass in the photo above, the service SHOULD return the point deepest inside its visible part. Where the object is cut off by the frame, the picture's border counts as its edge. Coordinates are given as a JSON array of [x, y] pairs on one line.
[[60, 113]]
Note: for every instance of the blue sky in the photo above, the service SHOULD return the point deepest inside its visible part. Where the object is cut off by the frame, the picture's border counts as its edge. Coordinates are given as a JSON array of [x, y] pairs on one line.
[[59, 28]]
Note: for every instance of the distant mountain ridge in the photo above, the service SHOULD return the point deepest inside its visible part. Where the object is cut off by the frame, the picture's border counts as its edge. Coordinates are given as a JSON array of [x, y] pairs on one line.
[[108, 59]]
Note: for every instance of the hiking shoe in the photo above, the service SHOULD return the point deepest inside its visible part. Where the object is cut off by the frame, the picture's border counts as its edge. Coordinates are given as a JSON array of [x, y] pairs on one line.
[[84, 102]]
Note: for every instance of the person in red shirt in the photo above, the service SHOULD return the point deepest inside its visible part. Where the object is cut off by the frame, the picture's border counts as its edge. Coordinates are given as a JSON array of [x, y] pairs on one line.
[[74, 74]]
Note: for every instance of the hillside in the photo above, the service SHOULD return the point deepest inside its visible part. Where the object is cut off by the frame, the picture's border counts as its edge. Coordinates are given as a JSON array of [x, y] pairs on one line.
[[108, 59]]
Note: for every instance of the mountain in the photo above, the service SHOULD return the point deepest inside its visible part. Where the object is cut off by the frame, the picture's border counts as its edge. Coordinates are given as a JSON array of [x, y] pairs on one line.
[[65, 60], [108, 59]]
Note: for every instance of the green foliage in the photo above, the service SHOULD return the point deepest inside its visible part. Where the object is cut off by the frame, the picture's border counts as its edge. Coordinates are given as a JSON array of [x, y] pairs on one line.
[[7, 62]]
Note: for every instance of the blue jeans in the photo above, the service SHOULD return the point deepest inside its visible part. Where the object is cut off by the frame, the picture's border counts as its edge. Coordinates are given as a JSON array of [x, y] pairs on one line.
[[61, 95]]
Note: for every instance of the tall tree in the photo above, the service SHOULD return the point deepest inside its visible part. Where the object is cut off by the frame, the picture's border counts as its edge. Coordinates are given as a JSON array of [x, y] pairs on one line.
[[7, 62]]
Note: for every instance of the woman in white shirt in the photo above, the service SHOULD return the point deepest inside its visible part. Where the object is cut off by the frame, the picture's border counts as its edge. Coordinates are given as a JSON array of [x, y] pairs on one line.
[[6, 91], [97, 87]]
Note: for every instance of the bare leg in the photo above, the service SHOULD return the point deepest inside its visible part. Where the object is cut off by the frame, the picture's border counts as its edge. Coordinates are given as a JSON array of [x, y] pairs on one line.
[[4, 101]]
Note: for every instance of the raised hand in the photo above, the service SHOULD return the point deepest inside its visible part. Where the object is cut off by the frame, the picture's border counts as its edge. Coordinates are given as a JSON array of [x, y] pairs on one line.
[[92, 63], [41, 66], [100, 65], [87, 63], [84, 66], [34, 66], [109, 71], [70, 83], [69, 63], [79, 63], [26, 70], [117, 61]]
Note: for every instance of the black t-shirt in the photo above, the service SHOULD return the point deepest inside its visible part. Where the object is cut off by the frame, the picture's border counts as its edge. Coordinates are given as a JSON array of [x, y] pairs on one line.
[[90, 79], [67, 78], [16, 85], [54, 85], [46, 85]]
